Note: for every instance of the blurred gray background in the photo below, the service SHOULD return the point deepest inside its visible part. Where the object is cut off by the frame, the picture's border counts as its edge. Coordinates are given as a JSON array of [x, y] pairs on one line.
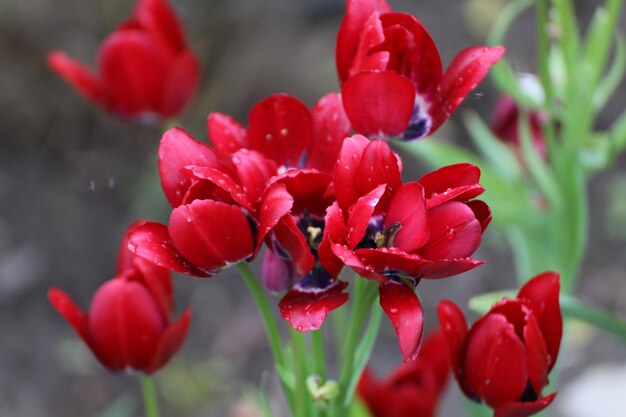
[[72, 178]]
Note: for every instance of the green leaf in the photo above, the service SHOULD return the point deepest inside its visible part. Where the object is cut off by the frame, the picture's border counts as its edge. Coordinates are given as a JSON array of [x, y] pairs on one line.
[[496, 153], [263, 402], [612, 79], [359, 409], [618, 134]]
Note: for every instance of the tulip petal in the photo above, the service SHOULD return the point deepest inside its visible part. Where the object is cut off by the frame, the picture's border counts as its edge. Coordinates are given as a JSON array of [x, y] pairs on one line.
[[482, 212], [277, 274], [378, 165], [254, 172], [178, 150], [211, 234], [291, 240], [495, 364], [225, 133], [153, 242], [330, 127], [133, 72], [222, 181], [465, 72], [309, 189], [181, 81], [281, 128], [458, 182], [454, 232], [378, 103], [157, 17], [334, 231], [348, 37], [537, 355], [170, 342], [276, 203], [307, 310], [454, 327], [402, 306], [345, 171], [524, 409], [83, 79], [366, 58], [542, 292], [71, 313], [349, 258], [408, 208], [443, 268], [360, 214]]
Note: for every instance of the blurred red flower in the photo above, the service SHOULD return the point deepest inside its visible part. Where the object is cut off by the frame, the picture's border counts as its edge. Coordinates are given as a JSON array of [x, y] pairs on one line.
[[505, 357], [145, 68], [129, 324]]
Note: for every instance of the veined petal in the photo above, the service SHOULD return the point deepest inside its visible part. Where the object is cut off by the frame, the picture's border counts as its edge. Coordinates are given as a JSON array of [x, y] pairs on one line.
[[467, 69], [281, 128], [153, 242], [177, 151], [357, 13], [378, 103], [225, 133], [402, 306], [82, 78], [211, 234], [330, 127], [307, 310]]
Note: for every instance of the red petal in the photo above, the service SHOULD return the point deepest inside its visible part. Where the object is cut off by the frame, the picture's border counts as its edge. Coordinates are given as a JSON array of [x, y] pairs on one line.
[[454, 327], [482, 212], [125, 324], [345, 170], [211, 234], [408, 207], [295, 244], [160, 20], [454, 232], [403, 308], [434, 354], [334, 231], [520, 409], [537, 355], [349, 258], [360, 214], [78, 75], [378, 103], [225, 133], [223, 181], [495, 365], [357, 13], [378, 165], [133, 72], [309, 189], [444, 268], [177, 151], [159, 282], [71, 313], [276, 203], [171, 340], [180, 84], [542, 292], [366, 59], [307, 310], [467, 69], [254, 171], [126, 258], [330, 127], [458, 182], [281, 128], [153, 242]]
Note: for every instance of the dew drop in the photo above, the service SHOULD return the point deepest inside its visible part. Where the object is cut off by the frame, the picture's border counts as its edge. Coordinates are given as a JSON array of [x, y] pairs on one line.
[[393, 311], [283, 132]]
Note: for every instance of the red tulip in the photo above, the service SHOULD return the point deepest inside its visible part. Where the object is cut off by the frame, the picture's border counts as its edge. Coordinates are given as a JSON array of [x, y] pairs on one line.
[[129, 325], [391, 72], [145, 68], [414, 388], [396, 234], [505, 357]]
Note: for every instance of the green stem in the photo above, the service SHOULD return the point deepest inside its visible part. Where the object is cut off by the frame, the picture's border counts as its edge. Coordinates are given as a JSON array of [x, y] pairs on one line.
[[271, 328], [602, 319], [303, 407], [149, 396], [319, 357]]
